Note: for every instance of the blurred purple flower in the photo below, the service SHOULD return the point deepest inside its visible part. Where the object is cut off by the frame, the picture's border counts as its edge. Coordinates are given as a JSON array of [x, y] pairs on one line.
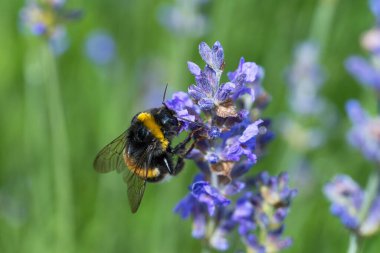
[[46, 19], [100, 47], [265, 207], [346, 199], [364, 72], [365, 132], [305, 78], [375, 8], [371, 41]]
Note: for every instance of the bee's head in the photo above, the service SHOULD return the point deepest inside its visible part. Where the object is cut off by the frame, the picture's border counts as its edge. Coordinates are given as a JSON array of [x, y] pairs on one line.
[[170, 125]]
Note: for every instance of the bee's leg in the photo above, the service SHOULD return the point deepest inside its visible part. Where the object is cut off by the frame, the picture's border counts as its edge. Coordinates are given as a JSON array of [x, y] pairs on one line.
[[179, 166], [180, 149]]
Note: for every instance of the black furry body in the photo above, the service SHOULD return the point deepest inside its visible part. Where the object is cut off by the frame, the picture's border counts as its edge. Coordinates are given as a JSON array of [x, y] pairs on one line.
[[143, 152]]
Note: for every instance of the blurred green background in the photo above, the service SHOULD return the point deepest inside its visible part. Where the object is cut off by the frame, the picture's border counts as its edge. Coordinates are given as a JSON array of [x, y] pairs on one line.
[[51, 200]]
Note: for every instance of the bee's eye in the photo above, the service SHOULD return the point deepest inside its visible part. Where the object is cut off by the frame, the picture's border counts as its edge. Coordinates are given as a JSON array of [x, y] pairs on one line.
[[169, 121]]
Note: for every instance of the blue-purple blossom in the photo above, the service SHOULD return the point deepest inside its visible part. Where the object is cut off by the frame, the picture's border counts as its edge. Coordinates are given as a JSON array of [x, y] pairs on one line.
[[347, 199], [209, 195], [186, 110], [375, 8], [364, 72], [100, 47], [265, 207], [365, 132], [45, 19], [207, 90]]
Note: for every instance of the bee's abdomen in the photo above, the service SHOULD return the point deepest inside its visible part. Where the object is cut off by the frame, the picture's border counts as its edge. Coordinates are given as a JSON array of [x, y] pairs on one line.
[[149, 172]]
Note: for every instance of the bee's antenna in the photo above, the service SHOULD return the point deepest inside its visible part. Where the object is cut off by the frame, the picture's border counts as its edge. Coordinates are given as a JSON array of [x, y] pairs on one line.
[[163, 99]]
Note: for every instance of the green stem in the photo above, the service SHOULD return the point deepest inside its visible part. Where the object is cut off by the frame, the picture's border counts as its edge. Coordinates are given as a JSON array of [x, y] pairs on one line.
[[321, 23], [353, 246], [60, 154], [372, 188], [370, 194], [205, 247]]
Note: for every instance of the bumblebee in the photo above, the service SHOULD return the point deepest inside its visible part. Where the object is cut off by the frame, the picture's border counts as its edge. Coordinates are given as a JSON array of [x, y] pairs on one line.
[[143, 152]]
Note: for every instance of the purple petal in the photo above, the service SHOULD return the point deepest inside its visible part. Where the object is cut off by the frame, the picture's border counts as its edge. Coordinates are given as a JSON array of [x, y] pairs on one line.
[[185, 206], [250, 155], [218, 240], [224, 91], [206, 104], [246, 226], [343, 190], [214, 132], [100, 48], [375, 8], [213, 57], [250, 69], [233, 152], [199, 226], [205, 84], [251, 131], [208, 195], [194, 68], [184, 114], [195, 92], [278, 244], [233, 75], [39, 28], [212, 81], [244, 90], [218, 55], [364, 72], [205, 52], [244, 210], [355, 112], [212, 158], [254, 243], [234, 187]]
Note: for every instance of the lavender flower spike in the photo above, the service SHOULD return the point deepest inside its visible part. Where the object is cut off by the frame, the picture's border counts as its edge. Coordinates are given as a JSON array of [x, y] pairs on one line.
[[347, 198], [365, 132], [227, 136]]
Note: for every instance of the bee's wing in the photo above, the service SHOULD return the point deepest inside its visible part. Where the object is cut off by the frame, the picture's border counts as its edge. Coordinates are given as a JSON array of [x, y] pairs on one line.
[[111, 156], [136, 185], [136, 188]]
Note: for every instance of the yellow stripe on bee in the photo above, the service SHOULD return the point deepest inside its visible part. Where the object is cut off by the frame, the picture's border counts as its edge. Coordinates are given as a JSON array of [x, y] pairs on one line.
[[151, 173], [148, 120], [143, 173]]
